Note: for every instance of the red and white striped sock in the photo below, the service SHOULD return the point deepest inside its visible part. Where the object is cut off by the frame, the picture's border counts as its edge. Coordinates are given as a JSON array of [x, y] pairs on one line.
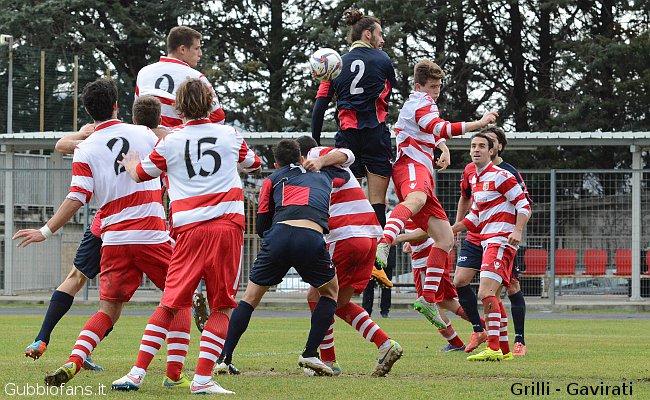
[[436, 263], [359, 319], [449, 333], [89, 338], [211, 346], [178, 341], [503, 331], [395, 223], [326, 347], [154, 335], [493, 321]]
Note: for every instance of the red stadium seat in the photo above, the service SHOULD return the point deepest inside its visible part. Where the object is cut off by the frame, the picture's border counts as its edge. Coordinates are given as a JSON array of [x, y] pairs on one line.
[[595, 262], [565, 261], [623, 261], [536, 261]]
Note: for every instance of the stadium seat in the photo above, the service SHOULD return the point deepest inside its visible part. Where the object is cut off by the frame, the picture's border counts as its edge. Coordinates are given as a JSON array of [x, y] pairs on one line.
[[595, 262], [565, 261], [536, 261], [623, 261]]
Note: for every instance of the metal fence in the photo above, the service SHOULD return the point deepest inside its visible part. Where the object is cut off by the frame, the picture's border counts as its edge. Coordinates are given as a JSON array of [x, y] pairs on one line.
[[587, 214]]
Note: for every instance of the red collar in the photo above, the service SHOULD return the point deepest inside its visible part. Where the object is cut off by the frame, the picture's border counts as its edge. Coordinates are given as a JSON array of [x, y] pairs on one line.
[[198, 122], [173, 60], [106, 124]]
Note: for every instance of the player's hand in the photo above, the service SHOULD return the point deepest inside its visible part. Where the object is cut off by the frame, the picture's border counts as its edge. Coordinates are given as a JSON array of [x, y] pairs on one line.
[[489, 117], [406, 248], [444, 161], [130, 162], [313, 165], [514, 238], [28, 236], [457, 237], [87, 129]]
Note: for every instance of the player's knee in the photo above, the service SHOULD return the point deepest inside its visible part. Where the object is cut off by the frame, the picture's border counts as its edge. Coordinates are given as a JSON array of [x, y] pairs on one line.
[[460, 280], [513, 288], [415, 201], [74, 282]]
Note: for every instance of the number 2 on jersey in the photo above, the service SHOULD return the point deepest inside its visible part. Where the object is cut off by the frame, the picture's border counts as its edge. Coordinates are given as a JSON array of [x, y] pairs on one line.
[[210, 153], [125, 149], [357, 64]]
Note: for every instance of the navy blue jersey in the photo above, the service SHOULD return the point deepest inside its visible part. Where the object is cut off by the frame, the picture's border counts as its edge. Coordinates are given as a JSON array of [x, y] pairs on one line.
[[518, 177], [292, 192], [362, 89]]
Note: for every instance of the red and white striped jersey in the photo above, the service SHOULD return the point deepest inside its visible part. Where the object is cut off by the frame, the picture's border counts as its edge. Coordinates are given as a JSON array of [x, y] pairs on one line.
[[420, 249], [200, 161], [162, 79], [130, 213], [420, 129], [351, 214], [466, 190], [497, 198]]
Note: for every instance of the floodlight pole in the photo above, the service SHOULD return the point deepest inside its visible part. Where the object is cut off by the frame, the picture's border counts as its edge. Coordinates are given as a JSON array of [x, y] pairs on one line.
[[9, 40], [637, 165]]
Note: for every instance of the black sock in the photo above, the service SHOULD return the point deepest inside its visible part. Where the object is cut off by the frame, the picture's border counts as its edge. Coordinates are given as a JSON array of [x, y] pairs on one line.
[[321, 319], [60, 303], [380, 211], [518, 309], [108, 331], [467, 300], [239, 320]]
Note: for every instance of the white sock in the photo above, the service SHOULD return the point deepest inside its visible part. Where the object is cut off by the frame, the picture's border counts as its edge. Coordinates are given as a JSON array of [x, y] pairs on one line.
[[385, 345], [138, 371], [201, 379]]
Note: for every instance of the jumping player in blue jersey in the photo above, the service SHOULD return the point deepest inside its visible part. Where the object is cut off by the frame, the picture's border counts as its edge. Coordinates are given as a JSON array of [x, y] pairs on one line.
[[291, 219], [362, 92]]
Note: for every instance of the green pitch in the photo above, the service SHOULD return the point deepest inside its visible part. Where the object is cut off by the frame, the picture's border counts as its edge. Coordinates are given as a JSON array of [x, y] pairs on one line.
[[594, 353]]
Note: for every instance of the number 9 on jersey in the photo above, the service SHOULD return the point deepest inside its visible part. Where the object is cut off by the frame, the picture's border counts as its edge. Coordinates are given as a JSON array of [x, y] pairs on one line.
[[325, 64]]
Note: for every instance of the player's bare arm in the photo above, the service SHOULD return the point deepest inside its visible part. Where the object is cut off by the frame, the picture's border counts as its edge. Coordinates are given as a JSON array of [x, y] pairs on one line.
[[488, 118], [130, 163], [461, 210], [67, 143], [445, 158], [458, 227], [415, 236], [329, 159], [66, 211]]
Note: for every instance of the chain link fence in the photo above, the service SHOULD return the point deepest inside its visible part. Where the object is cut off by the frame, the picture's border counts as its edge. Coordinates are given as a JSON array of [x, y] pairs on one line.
[[582, 228]]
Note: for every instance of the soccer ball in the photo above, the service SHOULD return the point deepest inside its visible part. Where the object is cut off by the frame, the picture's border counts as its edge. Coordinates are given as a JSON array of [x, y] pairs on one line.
[[325, 64]]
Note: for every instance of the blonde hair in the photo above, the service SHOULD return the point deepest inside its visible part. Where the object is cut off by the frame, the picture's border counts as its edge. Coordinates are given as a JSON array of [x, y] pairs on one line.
[[194, 99], [426, 70]]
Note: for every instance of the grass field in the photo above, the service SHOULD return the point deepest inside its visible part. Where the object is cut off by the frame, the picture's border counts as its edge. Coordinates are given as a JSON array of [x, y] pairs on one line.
[[561, 352]]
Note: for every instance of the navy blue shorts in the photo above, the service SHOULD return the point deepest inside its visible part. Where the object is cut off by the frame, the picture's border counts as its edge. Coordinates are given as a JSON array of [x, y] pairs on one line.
[[471, 256], [372, 150], [89, 254], [286, 246]]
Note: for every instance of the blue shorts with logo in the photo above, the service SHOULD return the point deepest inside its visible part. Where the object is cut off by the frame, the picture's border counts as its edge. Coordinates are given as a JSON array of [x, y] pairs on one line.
[[285, 246], [89, 255], [471, 256]]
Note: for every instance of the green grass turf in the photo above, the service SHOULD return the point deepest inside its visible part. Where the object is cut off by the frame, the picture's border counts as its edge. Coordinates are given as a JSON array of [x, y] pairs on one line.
[[561, 352]]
